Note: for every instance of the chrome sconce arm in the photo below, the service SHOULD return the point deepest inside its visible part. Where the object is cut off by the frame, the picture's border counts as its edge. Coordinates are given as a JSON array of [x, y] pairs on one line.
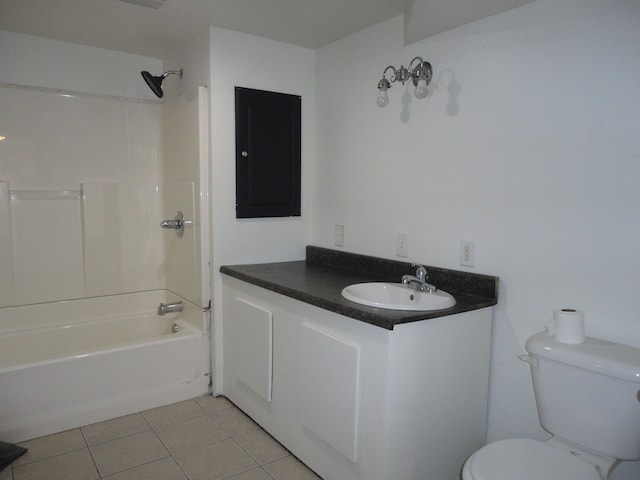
[[418, 71]]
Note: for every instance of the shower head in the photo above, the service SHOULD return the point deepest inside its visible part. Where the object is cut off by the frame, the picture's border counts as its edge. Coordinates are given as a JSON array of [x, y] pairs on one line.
[[155, 83]]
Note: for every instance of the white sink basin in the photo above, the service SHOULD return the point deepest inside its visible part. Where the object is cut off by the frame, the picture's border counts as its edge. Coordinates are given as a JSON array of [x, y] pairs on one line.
[[397, 296]]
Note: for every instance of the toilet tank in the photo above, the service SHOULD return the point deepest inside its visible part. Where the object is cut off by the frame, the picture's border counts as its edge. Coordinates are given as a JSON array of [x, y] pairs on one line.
[[588, 393]]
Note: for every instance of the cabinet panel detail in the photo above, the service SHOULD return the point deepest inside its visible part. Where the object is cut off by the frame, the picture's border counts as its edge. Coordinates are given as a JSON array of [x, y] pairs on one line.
[[251, 346], [330, 388]]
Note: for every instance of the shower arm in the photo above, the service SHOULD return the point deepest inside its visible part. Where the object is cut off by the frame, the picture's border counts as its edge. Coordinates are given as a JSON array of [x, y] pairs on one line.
[[171, 72]]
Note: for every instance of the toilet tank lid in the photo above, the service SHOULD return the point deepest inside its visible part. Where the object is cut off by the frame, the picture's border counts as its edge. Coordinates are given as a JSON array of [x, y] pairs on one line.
[[600, 356]]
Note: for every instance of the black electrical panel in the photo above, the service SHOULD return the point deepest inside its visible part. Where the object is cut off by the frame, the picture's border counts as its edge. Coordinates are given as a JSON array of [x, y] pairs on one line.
[[268, 150]]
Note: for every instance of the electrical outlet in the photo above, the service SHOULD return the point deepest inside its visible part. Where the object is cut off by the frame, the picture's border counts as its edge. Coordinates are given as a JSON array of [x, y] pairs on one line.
[[339, 236], [467, 253], [402, 245]]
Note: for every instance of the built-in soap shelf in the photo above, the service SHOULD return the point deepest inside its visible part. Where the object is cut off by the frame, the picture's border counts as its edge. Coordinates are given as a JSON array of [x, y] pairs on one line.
[[45, 194]]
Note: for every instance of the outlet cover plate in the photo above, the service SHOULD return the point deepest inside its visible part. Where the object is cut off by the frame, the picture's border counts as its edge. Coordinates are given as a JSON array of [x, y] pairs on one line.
[[467, 253]]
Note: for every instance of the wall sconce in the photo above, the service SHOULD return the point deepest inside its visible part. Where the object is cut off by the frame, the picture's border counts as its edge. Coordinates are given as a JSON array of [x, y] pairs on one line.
[[419, 72]]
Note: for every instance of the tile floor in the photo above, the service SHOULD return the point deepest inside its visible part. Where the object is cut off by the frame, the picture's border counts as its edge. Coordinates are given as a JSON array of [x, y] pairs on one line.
[[205, 438]]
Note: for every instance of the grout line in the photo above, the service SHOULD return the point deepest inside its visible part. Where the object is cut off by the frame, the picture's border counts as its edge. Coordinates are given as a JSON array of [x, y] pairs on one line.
[[177, 420], [48, 456], [184, 472], [171, 454], [268, 474], [118, 437], [241, 472], [288, 453], [138, 466], [95, 465]]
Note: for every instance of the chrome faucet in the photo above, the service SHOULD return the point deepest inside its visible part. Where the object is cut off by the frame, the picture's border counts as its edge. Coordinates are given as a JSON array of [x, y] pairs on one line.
[[419, 280], [169, 308]]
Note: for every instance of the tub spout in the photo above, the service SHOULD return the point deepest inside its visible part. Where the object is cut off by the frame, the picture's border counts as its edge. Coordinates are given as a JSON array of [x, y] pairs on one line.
[[169, 308]]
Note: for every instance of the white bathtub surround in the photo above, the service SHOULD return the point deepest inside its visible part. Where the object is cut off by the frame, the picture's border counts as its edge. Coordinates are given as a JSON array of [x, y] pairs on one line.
[[84, 185], [6, 260], [121, 239], [84, 199], [67, 364], [93, 132]]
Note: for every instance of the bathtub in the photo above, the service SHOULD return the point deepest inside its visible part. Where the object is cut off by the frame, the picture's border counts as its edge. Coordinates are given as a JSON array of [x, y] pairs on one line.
[[68, 364]]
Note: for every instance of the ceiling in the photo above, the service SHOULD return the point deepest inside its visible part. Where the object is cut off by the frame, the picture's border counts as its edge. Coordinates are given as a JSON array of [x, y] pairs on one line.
[[118, 25]]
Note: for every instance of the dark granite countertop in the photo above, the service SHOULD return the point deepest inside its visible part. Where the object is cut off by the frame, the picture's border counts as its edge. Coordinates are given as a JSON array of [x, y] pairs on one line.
[[320, 278]]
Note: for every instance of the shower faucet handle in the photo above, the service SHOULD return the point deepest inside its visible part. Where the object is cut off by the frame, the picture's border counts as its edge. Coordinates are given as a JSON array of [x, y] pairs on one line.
[[172, 224], [176, 224]]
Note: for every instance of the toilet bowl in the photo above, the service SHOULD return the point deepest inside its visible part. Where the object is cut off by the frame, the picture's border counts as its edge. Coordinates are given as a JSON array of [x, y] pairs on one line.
[[587, 397]]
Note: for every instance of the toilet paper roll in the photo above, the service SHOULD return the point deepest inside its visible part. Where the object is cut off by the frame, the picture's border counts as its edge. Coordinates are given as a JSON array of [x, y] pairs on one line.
[[569, 325]]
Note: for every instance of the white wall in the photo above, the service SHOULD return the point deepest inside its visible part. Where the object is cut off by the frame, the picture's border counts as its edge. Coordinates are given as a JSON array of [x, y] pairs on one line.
[[246, 61], [528, 145]]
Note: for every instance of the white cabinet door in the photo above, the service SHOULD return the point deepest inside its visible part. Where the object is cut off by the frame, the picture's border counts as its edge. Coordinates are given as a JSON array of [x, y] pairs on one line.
[[250, 346], [329, 394]]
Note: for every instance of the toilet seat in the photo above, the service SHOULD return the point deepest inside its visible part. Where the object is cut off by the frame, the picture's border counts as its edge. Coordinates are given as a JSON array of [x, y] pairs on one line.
[[525, 459]]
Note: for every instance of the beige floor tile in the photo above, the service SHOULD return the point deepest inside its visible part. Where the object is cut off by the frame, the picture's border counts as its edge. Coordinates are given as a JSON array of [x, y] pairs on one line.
[[51, 445], [128, 452], [190, 433], [6, 474], [215, 461], [261, 446], [134, 447], [212, 404], [76, 465], [116, 428], [157, 417], [290, 468], [164, 469], [234, 421], [255, 474]]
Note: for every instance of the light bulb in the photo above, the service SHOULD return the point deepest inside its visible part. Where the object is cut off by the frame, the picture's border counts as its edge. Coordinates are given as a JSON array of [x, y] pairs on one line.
[[383, 98], [421, 88]]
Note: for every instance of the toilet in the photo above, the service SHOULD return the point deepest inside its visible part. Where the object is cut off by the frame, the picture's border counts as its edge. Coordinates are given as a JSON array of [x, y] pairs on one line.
[[588, 398]]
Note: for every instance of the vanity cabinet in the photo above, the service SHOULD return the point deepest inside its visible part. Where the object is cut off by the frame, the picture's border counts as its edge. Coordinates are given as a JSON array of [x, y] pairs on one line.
[[353, 400]]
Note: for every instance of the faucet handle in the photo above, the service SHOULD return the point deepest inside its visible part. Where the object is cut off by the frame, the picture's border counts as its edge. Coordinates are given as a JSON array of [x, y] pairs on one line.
[[421, 272]]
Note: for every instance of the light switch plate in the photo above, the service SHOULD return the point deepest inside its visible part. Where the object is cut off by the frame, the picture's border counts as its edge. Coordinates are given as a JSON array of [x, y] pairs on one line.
[[402, 245], [339, 236]]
